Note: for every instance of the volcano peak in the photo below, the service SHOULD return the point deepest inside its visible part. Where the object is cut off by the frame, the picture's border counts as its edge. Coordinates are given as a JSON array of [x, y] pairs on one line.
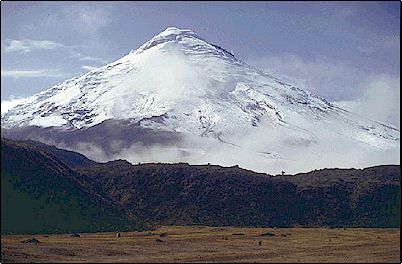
[[180, 84]]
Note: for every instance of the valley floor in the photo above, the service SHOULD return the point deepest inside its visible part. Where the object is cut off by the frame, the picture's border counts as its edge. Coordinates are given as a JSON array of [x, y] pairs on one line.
[[210, 244]]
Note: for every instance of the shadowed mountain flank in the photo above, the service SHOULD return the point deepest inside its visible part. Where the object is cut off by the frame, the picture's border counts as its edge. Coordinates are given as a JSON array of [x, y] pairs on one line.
[[42, 193], [118, 194]]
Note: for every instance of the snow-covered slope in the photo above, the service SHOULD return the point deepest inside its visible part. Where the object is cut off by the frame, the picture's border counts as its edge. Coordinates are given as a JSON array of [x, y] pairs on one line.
[[181, 83]]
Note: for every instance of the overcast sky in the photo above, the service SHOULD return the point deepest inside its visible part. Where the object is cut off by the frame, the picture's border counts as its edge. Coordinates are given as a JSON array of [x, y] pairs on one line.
[[344, 51]]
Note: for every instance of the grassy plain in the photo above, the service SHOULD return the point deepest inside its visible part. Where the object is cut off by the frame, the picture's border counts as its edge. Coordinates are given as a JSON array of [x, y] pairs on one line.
[[210, 244]]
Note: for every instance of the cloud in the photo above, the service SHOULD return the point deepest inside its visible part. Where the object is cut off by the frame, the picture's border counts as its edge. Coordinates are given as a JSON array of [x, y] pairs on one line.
[[381, 43], [343, 13], [10, 103], [280, 149], [88, 67], [380, 101], [374, 96], [30, 73], [334, 80], [87, 18], [89, 58], [81, 57], [29, 45]]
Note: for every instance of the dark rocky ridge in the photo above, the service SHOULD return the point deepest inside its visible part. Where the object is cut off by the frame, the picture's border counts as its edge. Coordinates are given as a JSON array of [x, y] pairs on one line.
[[182, 194], [42, 193], [214, 195]]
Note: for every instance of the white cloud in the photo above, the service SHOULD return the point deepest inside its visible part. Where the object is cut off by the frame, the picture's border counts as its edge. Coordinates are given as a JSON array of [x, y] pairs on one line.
[[381, 43], [294, 154], [343, 13], [87, 18], [90, 58], [28, 45], [88, 67], [380, 101], [392, 42], [30, 73], [8, 104], [81, 57], [334, 80], [375, 96]]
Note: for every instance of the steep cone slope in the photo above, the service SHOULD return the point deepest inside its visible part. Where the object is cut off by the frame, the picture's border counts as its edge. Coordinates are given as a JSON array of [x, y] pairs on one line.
[[179, 83]]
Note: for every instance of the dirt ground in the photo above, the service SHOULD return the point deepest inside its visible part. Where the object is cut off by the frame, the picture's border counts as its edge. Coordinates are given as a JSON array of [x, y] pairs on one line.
[[210, 244]]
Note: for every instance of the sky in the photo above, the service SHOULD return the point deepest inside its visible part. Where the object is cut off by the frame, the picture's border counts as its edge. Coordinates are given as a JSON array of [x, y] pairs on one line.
[[346, 52]]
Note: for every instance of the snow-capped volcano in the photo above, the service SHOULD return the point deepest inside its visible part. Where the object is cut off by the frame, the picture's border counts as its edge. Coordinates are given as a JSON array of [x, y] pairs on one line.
[[179, 83]]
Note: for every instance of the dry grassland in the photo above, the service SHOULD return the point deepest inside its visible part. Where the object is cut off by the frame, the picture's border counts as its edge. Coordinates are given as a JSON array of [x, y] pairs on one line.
[[211, 244]]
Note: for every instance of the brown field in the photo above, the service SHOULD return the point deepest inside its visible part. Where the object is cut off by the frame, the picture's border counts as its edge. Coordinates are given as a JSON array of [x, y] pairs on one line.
[[211, 244]]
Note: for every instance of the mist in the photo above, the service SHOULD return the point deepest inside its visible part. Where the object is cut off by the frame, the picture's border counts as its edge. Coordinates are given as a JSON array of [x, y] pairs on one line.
[[261, 151]]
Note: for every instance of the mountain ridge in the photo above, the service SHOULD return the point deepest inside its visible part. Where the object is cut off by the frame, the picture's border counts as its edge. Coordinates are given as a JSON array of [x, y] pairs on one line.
[[146, 195], [41, 192]]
